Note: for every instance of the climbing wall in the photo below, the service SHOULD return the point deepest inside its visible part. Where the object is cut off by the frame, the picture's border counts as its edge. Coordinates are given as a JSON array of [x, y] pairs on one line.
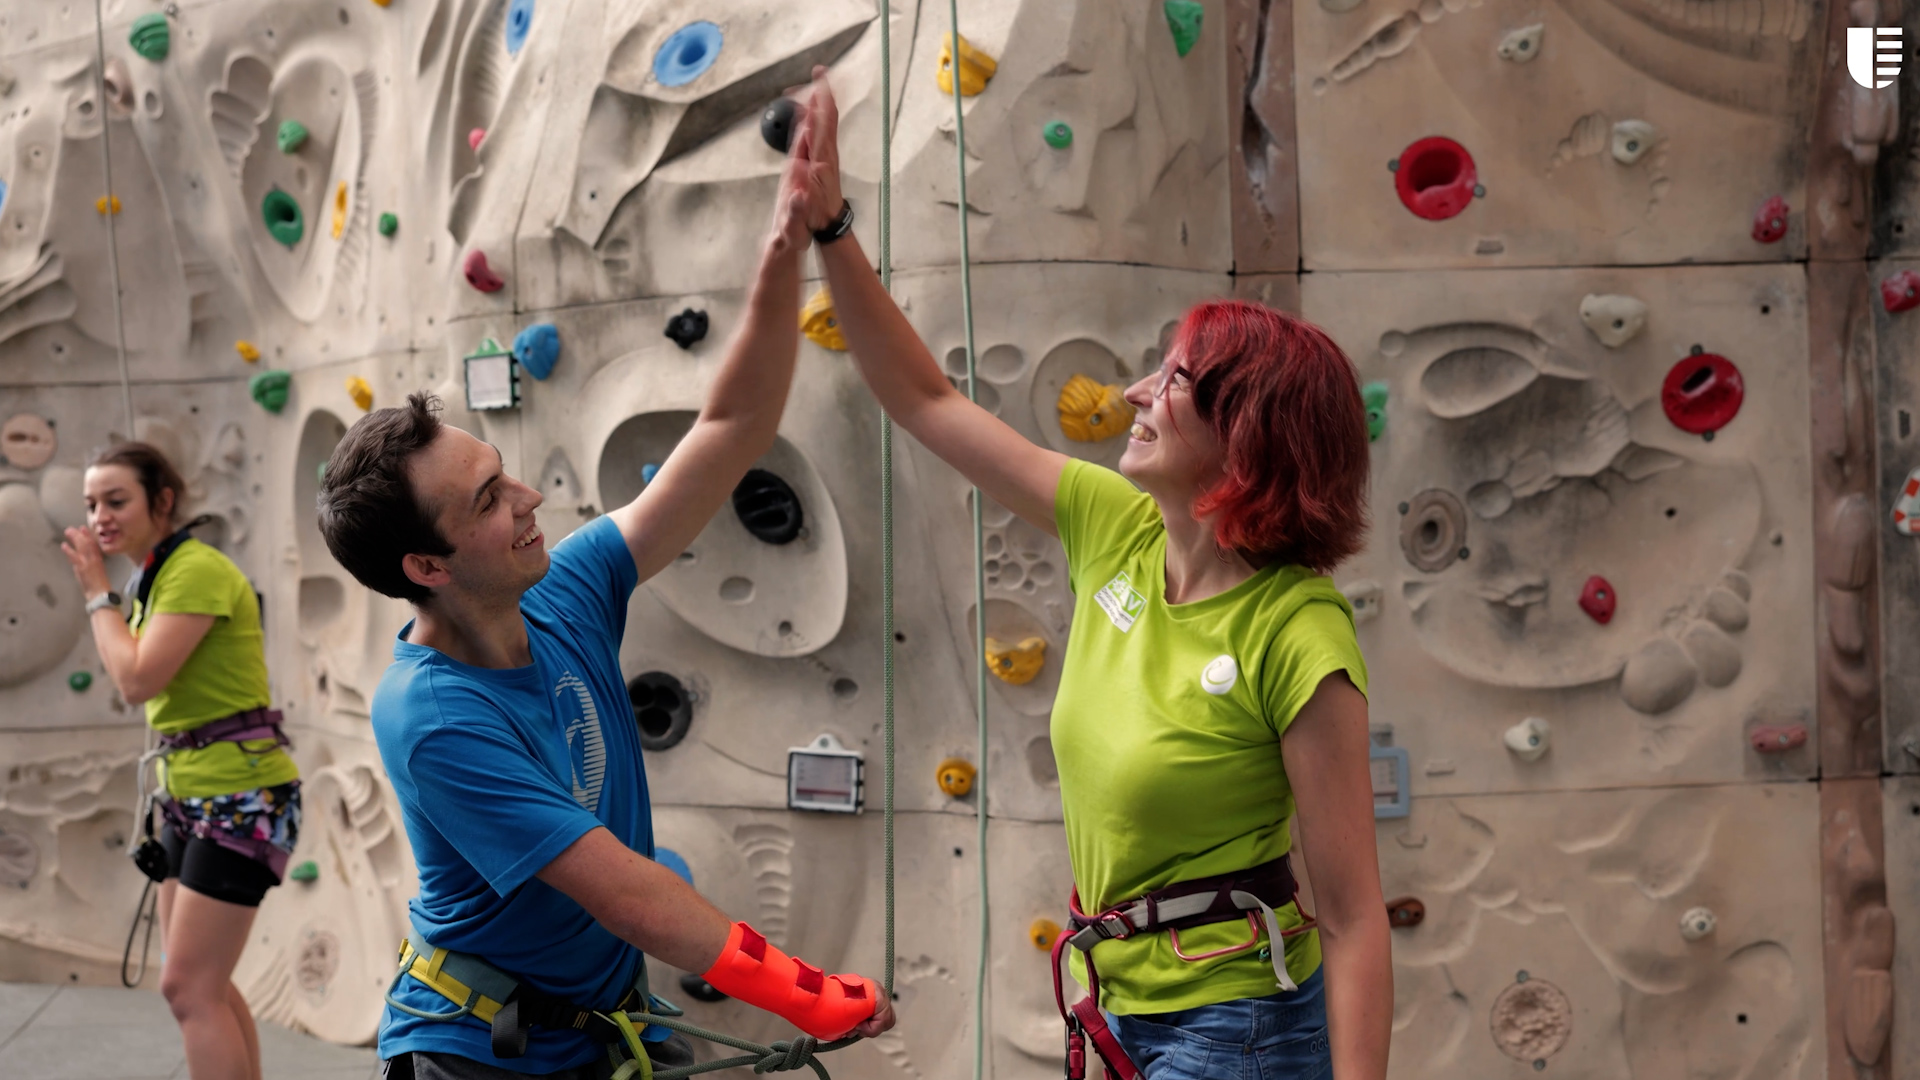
[[1641, 409]]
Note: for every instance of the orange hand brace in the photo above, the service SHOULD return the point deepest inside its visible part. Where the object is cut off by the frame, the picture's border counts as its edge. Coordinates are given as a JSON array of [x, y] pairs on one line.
[[824, 1006]]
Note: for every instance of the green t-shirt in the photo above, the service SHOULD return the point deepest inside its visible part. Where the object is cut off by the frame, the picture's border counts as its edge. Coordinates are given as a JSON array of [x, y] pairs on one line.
[[225, 674], [1167, 731]]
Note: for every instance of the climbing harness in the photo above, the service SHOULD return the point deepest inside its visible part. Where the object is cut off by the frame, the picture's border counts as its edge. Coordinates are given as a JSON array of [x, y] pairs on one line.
[[1223, 898]]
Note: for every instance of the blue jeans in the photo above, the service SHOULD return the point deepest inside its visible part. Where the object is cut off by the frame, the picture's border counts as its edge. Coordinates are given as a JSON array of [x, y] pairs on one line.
[[1283, 1037]]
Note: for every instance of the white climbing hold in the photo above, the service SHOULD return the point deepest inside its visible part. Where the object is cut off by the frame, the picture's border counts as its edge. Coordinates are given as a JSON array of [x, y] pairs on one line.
[[1614, 319], [1631, 140], [1530, 739], [1697, 923], [1523, 44]]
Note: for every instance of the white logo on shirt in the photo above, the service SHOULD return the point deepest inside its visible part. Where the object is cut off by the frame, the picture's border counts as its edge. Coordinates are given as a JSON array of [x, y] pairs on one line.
[[589, 765], [1121, 601], [1219, 675]]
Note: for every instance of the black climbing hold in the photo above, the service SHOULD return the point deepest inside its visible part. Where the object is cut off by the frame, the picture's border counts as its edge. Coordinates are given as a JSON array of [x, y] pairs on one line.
[[687, 327], [662, 709], [776, 123], [700, 989], [768, 507]]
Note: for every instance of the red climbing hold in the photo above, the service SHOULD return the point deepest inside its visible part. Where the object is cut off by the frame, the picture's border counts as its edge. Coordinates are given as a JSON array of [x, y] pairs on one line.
[[1777, 738], [1598, 600], [1702, 393], [1770, 221], [474, 137], [1435, 178], [479, 274], [1900, 292]]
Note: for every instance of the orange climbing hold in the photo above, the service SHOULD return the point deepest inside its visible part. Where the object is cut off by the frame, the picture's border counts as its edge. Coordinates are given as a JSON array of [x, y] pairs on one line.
[[1016, 664], [955, 777], [1043, 933], [1091, 411], [100, 204]]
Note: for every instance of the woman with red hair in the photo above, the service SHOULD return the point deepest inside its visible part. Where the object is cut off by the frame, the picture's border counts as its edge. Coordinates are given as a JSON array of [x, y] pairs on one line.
[[1211, 682]]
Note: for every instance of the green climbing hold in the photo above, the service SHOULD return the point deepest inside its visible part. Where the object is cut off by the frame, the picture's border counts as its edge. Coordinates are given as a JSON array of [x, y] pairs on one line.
[[389, 224], [270, 389], [151, 36], [80, 680], [1374, 394], [292, 136], [1183, 18], [283, 217], [1058, 135], [306, 871]]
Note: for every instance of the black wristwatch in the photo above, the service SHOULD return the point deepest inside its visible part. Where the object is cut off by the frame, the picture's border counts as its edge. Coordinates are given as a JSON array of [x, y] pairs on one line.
[[840, 227]]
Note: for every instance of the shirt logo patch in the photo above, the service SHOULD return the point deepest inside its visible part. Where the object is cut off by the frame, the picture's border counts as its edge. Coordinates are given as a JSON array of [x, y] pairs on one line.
[[1121, 601], [585, 746], [1219, 675]]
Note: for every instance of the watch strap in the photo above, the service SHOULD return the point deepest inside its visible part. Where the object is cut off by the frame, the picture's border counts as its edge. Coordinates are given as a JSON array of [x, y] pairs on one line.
[[108, 599], [839, 227]]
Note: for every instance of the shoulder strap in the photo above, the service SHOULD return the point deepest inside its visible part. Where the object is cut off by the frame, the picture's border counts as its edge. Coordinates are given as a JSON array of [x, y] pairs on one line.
[[143, 578]]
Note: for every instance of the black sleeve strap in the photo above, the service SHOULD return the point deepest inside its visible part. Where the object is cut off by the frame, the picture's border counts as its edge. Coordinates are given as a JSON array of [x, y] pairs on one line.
[[840, 226]]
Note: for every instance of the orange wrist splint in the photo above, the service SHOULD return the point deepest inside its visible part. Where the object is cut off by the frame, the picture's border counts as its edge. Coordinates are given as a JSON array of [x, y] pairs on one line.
[[824, 1006]]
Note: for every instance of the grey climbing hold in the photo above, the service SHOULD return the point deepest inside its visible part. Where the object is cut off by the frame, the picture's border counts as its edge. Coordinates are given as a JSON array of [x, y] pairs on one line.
[[1658, 677], [1523, 44], [1614, 319], [1631, 140]]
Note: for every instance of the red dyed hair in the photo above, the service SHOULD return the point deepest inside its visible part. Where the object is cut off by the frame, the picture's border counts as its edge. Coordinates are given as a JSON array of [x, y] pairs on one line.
[[1284, 401]]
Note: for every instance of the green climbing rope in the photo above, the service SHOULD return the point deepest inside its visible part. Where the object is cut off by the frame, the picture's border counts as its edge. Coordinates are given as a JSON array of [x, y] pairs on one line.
[[979, 578], [886, 472]]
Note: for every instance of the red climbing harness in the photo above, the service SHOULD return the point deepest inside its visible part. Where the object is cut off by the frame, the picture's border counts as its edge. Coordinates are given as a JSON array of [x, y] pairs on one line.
[[1180, 906]]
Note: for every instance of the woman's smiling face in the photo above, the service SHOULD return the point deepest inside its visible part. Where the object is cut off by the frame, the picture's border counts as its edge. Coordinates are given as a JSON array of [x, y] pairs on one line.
[[1171, 451]]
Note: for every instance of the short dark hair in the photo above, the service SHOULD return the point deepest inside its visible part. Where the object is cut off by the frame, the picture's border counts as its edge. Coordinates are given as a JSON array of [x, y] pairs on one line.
[[151, 467], [368, 512]]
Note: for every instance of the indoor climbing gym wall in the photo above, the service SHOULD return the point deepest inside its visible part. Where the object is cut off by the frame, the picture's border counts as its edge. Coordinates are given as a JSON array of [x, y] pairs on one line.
[[1627, 282]]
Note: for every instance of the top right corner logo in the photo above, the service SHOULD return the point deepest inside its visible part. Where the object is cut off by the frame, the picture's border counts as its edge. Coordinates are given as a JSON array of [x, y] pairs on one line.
[[1873, 55]]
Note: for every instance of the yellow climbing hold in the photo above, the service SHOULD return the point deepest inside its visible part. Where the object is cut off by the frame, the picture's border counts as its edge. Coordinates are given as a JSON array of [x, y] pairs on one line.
[[1016, 664], [381, 3], [976, 68], [956, 776], [339, 209], [1091, 411], [819, 323], [100, 204], [246, 350], [1043, 933], [360, 392]]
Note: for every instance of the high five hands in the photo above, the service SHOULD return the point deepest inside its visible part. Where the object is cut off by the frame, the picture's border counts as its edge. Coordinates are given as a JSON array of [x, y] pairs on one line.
[[810, 196]]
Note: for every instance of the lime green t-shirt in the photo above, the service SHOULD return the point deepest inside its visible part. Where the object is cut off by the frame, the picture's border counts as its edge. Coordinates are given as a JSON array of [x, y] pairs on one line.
[[1167, 728], [225, 674]]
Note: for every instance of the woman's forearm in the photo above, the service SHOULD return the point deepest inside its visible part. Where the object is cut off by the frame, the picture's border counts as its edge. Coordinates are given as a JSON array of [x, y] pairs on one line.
[[1357, 955], [892, 359], [119, 652]]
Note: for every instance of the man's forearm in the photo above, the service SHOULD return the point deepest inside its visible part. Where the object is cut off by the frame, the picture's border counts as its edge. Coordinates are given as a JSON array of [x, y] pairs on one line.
[[751, 387]]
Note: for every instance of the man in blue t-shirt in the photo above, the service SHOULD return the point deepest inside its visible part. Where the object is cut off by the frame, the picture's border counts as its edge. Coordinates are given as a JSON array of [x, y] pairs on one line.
[[503, 721]]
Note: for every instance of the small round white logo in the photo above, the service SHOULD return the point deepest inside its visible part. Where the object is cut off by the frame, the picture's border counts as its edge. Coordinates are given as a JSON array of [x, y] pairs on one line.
[[1219, 675]]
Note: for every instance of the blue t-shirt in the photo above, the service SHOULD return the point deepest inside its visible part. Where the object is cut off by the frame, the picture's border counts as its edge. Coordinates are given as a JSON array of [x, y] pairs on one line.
[[498, 771]]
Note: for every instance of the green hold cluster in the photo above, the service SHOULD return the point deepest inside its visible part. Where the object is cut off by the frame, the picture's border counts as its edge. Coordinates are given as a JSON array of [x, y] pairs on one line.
[[151, 36], [283, 217], [292, 136], [1374, 395], [270, 389], [306, 871], [1058, 135], [389, 224], [80, 680], [1183, 18]]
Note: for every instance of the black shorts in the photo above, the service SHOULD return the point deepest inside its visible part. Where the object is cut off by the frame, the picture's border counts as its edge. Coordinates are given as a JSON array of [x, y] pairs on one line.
[[211, 870]]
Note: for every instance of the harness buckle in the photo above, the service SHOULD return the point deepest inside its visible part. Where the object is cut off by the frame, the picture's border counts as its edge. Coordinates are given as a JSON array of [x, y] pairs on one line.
[[1104, 925]]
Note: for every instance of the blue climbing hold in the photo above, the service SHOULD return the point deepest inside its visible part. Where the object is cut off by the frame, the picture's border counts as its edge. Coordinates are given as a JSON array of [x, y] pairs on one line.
[[3, 194], [519, 21], [648, 472], [537, 348], [671, 859], [687, 54]]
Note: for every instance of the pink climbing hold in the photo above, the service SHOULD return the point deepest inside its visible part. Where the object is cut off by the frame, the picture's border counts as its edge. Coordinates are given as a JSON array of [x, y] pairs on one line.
[[1777, 738], [1900, 291], [1770, 221], [479, 274], [474, 137], [1598, 600]]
